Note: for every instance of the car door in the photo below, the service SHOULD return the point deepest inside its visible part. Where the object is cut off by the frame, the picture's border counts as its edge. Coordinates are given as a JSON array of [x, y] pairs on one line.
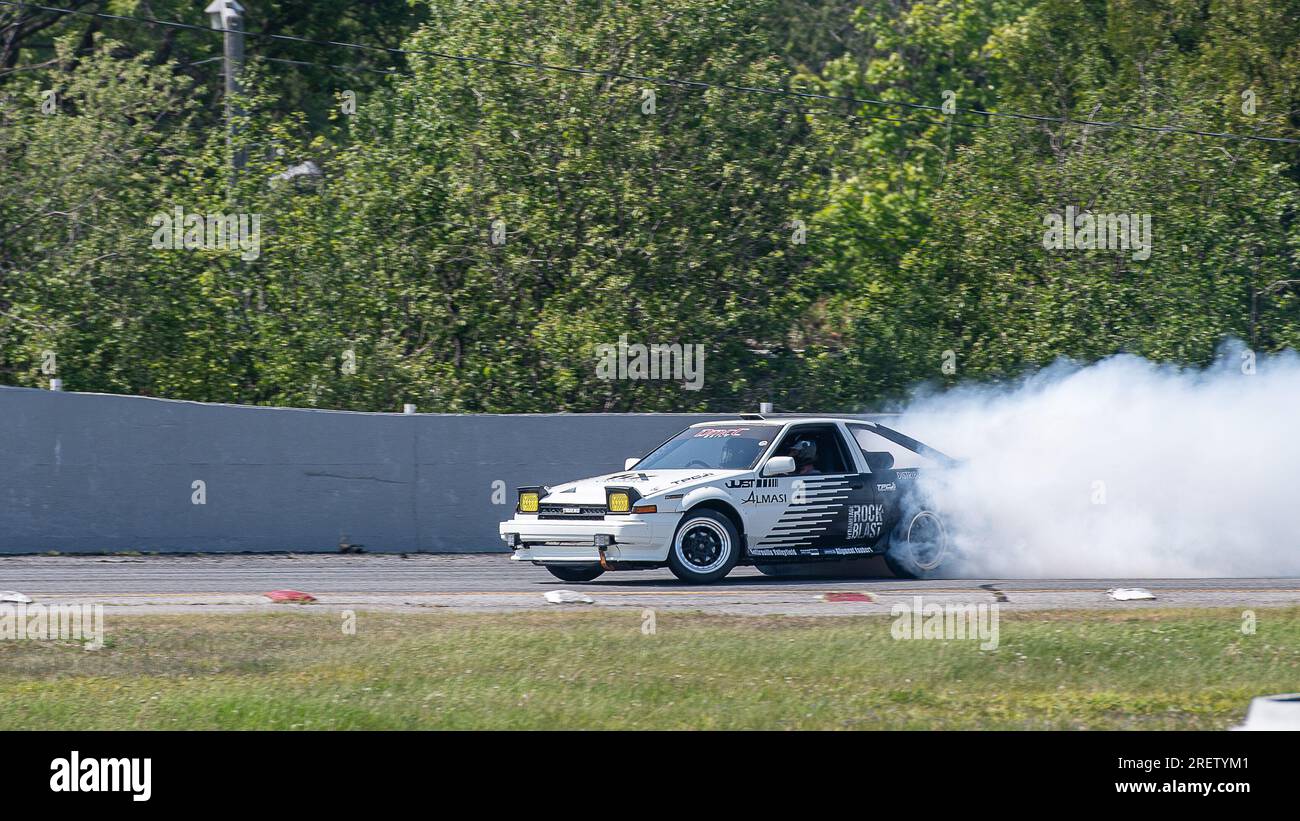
[[877, 508], [806, 515]]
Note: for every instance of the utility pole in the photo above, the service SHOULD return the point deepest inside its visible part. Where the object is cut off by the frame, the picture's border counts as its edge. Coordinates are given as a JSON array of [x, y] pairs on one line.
[[228, 16]]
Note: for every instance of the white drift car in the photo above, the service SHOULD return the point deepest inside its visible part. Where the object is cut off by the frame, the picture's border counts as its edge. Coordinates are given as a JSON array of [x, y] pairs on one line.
[[751, 491]]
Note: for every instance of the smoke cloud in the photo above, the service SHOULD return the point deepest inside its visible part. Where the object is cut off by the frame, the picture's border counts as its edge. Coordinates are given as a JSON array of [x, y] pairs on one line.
[[1123, 468]]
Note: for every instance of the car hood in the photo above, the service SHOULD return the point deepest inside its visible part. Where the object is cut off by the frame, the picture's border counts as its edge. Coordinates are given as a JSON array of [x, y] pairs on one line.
[[646, 482]]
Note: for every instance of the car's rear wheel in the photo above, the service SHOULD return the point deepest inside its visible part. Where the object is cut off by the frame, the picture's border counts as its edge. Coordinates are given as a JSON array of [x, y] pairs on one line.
[[705, 547], [920, 547], [575, 572]]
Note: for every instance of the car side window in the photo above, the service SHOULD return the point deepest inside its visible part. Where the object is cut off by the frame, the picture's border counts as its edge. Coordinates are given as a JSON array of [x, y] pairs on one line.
[[831, 457], [875, 447]]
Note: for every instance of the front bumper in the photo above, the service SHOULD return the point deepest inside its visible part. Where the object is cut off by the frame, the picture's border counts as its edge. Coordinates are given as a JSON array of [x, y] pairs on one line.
[[632, 538]]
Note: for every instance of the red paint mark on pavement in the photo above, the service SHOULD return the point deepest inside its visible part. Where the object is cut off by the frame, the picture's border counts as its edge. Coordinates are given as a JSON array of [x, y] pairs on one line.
[[289, 596]]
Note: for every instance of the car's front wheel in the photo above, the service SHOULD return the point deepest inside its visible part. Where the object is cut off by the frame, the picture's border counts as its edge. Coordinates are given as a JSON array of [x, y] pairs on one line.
[[705, 547], [575, 572], [920, 547]]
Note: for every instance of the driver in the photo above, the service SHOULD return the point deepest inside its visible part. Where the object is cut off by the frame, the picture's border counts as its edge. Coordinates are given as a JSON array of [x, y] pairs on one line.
[[805, 456], [738, 453]]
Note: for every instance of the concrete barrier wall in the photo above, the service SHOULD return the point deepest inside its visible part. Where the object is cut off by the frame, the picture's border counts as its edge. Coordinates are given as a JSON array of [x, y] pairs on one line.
[[94, 472]]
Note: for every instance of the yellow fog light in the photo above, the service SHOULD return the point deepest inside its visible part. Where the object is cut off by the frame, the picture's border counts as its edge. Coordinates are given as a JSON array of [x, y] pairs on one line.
[[528, 502], [619, 502]]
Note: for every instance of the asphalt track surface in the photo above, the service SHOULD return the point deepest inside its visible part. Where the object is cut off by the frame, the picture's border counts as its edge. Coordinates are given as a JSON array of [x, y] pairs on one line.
[[493, 583]]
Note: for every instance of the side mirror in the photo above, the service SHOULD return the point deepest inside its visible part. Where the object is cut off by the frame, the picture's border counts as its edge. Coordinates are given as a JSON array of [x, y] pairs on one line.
[[779, 466], [630, 461]]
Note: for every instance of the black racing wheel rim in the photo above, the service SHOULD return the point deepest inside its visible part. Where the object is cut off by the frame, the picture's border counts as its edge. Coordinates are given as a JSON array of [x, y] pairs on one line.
[[703, 546]]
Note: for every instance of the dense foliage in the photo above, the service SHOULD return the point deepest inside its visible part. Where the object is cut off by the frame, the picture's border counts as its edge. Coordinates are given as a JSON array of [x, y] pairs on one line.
[[482, 229]]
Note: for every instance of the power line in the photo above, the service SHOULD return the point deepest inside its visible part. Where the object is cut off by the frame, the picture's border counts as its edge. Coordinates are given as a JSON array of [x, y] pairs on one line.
[[677, 81], [810, 111], [325, 65]]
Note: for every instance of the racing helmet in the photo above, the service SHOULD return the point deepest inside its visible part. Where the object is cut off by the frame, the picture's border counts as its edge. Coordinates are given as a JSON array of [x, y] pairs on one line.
[[804, 452], [738, 452]]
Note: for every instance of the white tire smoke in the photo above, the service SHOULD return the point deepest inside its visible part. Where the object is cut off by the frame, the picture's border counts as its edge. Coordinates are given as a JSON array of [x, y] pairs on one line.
[[1123, 468]]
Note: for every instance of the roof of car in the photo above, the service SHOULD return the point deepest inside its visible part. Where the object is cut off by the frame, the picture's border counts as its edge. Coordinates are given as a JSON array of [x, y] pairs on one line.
[[784, 420]]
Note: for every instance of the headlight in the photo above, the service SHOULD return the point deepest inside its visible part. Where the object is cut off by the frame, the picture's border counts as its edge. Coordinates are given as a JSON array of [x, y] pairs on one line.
[[619, 501], [528, 501]]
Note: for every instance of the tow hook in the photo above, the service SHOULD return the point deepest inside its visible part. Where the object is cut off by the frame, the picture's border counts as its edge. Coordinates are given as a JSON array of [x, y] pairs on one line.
[[603, 541]]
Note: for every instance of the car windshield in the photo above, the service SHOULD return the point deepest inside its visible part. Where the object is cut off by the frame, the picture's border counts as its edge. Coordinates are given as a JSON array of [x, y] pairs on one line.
[[727, 447]]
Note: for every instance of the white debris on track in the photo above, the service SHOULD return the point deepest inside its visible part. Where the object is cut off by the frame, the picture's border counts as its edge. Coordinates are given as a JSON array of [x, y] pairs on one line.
[[1273, 713], [15, 597], [568, 597], [1130, 594]]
